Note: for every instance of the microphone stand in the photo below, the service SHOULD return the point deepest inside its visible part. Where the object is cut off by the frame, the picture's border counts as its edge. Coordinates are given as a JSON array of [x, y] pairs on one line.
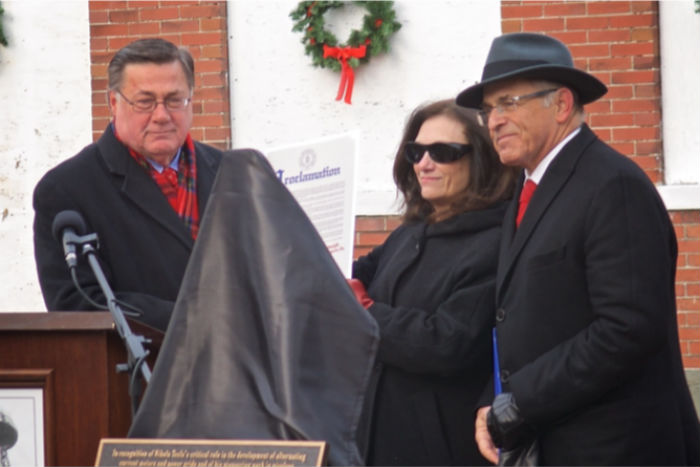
[[134, 343]]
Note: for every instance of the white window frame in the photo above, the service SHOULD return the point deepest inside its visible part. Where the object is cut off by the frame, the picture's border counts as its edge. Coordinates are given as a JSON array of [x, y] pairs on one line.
[[679, 29]]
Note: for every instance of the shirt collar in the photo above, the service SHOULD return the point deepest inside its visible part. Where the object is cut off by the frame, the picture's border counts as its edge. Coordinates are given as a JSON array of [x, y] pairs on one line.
[[541, 168], [173, 164]]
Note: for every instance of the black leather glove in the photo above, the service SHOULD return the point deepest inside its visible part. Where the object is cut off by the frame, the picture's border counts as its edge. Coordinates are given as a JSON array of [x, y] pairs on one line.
[[506, 426]]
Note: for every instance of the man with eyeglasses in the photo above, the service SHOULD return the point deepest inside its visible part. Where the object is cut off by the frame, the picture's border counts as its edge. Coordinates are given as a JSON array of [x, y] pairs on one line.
[[141, 187], [586, 339]]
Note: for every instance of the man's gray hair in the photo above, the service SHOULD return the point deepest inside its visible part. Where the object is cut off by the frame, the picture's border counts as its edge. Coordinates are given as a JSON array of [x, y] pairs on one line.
[[157, 51]]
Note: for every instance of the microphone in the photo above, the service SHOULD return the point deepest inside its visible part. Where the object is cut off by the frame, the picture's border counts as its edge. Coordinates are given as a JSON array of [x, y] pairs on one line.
[[67, 225]]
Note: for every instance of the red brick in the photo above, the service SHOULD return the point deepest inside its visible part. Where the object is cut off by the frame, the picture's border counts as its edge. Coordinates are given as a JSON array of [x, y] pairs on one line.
[[565, 9], [590, 50], [689, 333], [197, 133], [636, 134], [570, 37], [688, 275], [631, 49], [98, 16], [647, 90], [521, 11], [123, 16], [213, 79], [646, 62], [180, 26], [599, 106], [612, 120], [647, 118], [686, 217], [144, 29], [372, 238], [692, 231], [692, 260], [649, 148], [608, 7], [609, 35], [201, 11], [543, 24], [693, 289], [108, 30], [98, 44], [160, 13], [212, 24], [587, 22], [211, 93], [617, 91], [201, 38], [642, 7], [218, 134], [633, 105], [392, 222], [689, 246], [370, 223], [632, 21], [105, 6], [644, 34], [508, 26], [643, 76], [617, 63], [623, 148]]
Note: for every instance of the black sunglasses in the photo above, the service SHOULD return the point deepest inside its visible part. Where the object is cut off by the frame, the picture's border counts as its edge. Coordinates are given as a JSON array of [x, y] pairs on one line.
[[439, 152]]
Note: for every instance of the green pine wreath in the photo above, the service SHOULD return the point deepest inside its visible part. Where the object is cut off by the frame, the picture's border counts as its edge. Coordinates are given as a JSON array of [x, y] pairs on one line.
[[377, 27], [3, 39]]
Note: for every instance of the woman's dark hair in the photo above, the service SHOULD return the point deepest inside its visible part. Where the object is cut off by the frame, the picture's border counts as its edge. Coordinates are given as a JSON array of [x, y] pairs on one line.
[[157, 51], [489, 180]]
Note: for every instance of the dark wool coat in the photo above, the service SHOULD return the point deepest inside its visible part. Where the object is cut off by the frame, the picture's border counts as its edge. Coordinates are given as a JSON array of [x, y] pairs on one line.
[[433, 287], [586, 319], [144, 245]]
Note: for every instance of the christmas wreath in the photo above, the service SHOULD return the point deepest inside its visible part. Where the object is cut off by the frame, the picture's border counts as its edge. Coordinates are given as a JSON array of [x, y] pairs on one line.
[[372, 39], [3, 39]]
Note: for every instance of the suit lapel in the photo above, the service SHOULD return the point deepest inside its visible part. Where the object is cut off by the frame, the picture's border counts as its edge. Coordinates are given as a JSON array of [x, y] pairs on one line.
[[206, 173], [138, 187], [554, 179]]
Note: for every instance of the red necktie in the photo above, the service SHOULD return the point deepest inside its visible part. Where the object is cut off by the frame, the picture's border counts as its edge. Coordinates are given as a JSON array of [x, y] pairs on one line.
[[525, 195]]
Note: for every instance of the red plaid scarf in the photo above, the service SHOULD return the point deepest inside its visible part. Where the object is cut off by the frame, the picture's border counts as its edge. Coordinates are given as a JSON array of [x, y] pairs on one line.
[[179, 188]]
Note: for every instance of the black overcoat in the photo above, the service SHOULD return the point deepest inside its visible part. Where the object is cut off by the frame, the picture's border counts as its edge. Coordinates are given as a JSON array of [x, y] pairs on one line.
[[433, 287], [144, 246], [586, 317]]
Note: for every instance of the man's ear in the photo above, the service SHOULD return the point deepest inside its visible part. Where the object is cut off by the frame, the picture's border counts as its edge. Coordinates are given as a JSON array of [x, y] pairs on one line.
[[564, 102], [111, 101]]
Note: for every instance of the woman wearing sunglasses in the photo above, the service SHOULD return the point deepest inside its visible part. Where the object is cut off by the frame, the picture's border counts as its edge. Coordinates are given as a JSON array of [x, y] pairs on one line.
[[431, 288]]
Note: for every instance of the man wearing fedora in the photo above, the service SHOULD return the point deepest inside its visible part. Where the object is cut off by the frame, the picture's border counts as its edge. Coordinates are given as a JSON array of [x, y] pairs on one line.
[[587, 339]]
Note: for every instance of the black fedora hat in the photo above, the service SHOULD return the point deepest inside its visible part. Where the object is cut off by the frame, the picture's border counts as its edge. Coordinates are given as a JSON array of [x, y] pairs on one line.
[[532, 56]]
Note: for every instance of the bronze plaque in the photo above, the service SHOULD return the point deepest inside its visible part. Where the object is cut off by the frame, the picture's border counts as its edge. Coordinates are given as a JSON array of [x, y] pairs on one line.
[[129, 452]]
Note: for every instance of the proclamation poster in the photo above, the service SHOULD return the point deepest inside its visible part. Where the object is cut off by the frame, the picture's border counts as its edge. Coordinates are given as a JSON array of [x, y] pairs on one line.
[[320, 174]]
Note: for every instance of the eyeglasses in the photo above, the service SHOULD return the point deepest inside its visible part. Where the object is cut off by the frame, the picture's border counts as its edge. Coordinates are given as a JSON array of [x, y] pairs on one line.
[[439, 152], [509, 104], [149, 104]]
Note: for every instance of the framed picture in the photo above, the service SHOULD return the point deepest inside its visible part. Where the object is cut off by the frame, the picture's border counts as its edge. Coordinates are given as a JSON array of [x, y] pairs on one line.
[[24, 411]]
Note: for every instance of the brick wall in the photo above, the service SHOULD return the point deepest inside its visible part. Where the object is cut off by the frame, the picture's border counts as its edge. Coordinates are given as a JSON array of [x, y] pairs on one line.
[[199, 26], [618, 41]]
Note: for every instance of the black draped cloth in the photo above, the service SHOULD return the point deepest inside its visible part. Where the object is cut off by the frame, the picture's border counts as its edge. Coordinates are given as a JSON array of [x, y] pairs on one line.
[[266, 341]]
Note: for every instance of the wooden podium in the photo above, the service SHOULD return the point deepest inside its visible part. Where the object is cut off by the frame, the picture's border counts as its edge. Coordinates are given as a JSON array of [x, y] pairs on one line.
[[72, 358]]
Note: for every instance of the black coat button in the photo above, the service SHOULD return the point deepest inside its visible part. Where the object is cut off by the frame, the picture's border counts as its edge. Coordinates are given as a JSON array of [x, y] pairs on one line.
[[505, 376], [500, 314]]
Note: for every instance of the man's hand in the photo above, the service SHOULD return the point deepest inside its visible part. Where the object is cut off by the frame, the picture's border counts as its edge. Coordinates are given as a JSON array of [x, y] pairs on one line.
[[483, 438]]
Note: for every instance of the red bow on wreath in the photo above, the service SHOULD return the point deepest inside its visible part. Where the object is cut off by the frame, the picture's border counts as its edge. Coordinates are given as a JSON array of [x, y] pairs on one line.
[[347, 75]]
